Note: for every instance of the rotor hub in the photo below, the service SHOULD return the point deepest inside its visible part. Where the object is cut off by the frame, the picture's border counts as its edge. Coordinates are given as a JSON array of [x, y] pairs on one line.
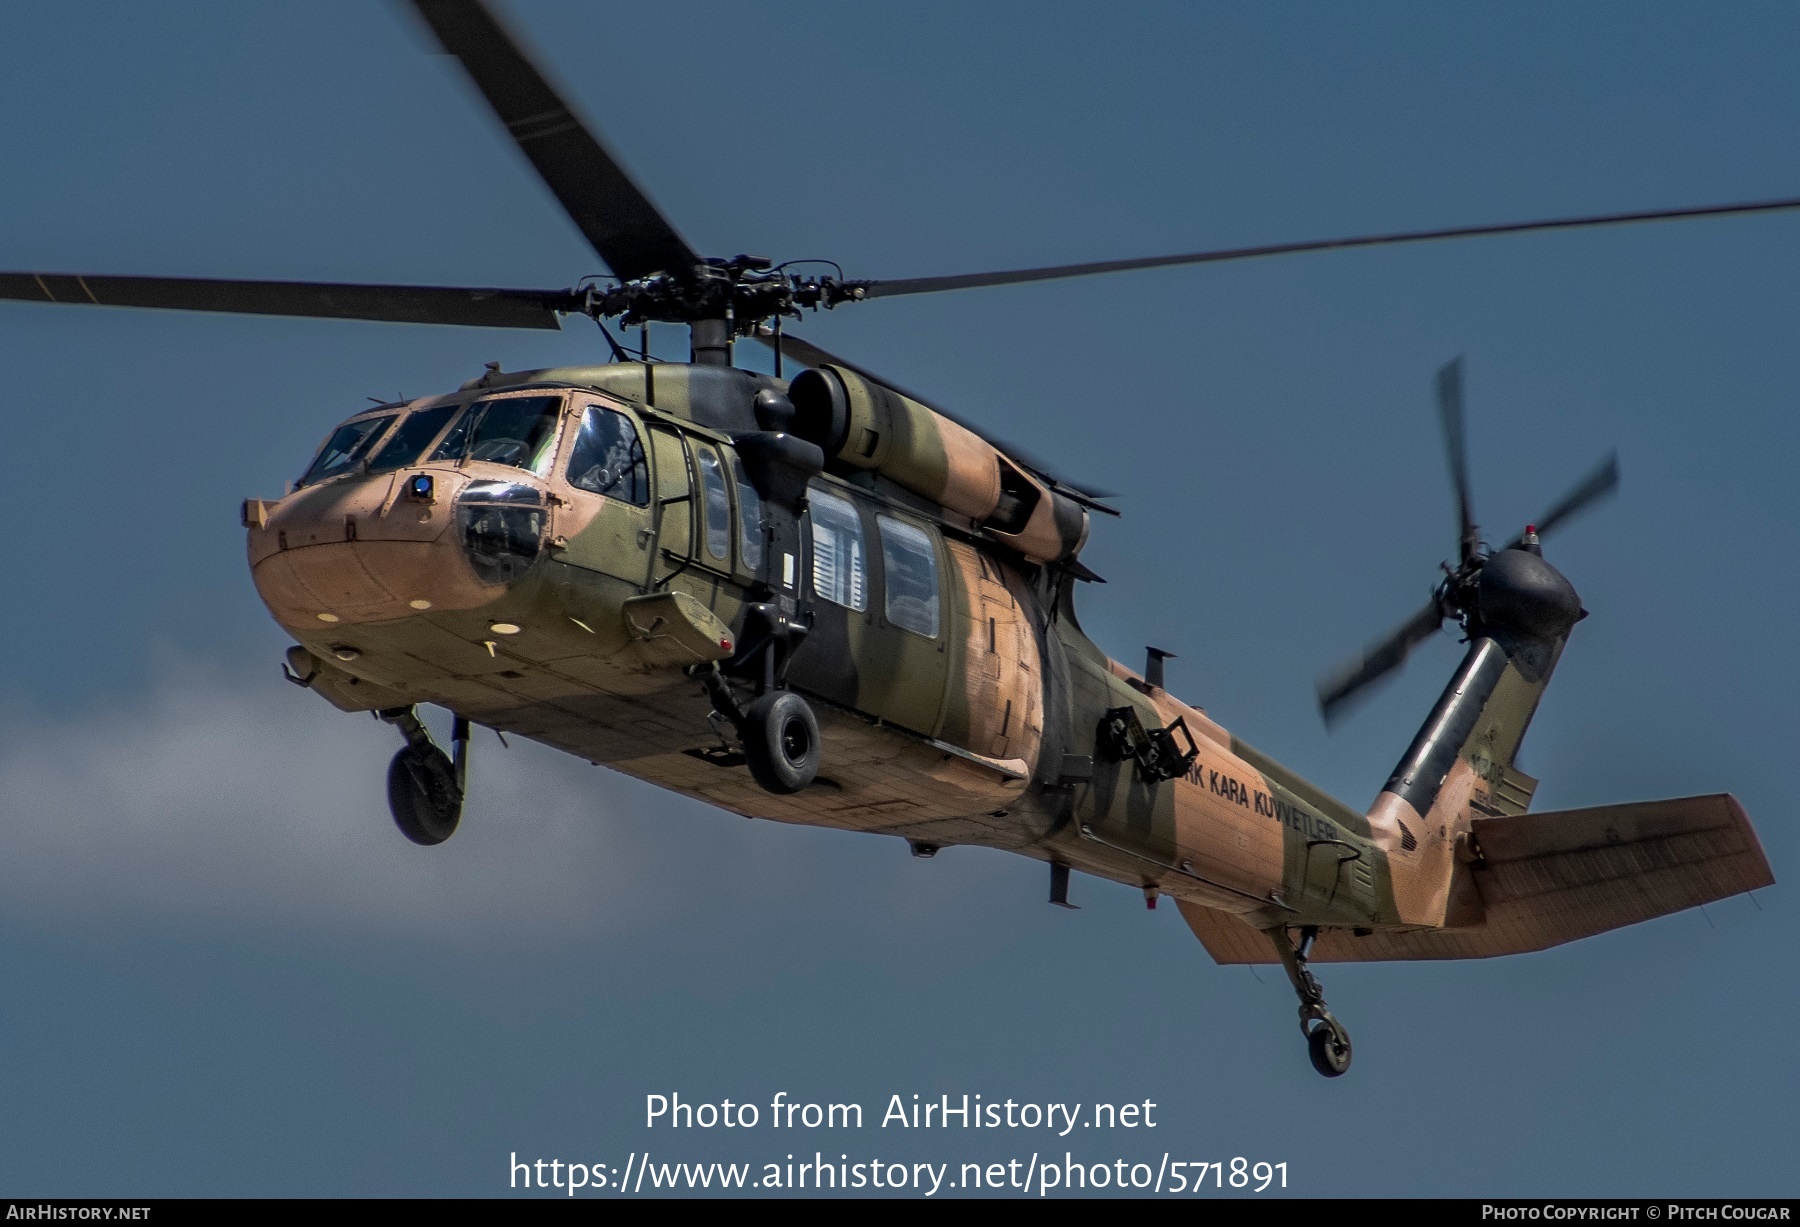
[[745, 290]]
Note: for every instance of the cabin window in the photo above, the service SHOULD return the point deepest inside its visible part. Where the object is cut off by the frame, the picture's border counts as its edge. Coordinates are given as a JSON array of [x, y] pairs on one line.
[[414, 436], [910, 562], [750, 518], [519, 431], [608, 458], [347, 446], [718, 504], [839, 562]]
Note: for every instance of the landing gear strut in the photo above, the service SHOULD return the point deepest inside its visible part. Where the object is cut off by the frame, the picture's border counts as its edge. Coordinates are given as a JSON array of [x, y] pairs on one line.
[[1327, 1042], [425, 787], [779, 732]]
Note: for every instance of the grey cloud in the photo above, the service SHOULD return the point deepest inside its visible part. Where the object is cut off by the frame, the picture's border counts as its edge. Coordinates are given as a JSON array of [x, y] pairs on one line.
[[235, 800], [227, 796]]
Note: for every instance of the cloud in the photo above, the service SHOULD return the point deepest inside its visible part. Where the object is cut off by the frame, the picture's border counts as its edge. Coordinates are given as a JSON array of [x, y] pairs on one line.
[[242, 798], [235, 801]]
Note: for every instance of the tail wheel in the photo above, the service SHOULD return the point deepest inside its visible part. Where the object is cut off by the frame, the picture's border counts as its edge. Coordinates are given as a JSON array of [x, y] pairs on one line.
[[781, 742], [423, 794]]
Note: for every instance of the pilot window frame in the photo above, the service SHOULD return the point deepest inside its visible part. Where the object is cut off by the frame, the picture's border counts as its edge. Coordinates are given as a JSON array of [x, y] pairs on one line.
[[577, 416], [924, 539], [381, 424], [474, 417], [451, 412], [816, 497]]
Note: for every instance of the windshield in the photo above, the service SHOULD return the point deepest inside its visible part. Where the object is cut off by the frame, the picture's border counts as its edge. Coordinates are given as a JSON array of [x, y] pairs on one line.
[[413, 436], [347, 445], [519, 430]]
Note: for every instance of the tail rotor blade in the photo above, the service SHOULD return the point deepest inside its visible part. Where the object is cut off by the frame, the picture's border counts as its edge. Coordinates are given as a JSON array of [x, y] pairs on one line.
[[1379, 659], [1456, 448], [1598, 484]]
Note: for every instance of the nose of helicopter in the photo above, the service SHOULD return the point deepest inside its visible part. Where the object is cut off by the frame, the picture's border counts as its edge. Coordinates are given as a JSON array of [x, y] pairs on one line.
[[377, 548]]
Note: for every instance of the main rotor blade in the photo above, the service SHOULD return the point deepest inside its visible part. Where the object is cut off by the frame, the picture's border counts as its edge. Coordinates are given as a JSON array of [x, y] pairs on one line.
[[406, 304], [1602, 481], [630, 234], [1379, 659], [932, 285], [808, 354], [1450, 413]]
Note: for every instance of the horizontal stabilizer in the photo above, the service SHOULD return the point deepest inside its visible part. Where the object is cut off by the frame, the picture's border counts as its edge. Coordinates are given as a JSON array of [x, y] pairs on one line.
[[1550, 878]]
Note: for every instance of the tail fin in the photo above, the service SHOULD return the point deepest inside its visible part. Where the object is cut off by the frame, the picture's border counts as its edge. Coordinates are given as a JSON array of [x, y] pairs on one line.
[[1480, 719], [1544, 879], [1459, 766]]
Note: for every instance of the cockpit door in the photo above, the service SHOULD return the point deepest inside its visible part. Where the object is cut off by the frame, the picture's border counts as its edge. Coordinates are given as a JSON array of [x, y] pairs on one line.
[[605, 520]]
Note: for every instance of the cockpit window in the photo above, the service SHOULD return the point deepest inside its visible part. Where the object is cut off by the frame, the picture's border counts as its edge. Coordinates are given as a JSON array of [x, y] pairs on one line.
[[348, 444], [413, 436], [608, 458], [518, 430]]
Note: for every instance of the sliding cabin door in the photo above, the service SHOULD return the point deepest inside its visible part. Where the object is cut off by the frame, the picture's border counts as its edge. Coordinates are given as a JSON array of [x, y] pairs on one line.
[[879, 636], [906, 658]]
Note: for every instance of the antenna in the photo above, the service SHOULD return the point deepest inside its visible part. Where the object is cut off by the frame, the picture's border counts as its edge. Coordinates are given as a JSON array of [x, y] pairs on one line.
[[1153, 666]]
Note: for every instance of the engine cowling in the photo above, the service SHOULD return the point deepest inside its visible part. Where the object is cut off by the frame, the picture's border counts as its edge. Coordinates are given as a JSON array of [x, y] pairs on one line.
[[861, 423]]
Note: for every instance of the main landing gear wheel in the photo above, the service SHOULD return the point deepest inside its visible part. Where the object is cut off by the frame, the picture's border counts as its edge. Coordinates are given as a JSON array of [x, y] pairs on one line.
[[1327, 1042], [781, 742], [423, 795], [425, 788]]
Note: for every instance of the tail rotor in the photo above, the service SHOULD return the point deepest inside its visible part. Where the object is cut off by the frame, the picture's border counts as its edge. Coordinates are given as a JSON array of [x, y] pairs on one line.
[[1458, 595]]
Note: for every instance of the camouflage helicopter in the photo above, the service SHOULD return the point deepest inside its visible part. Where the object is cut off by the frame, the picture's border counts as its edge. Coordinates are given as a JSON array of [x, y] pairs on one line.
[[825, 600]]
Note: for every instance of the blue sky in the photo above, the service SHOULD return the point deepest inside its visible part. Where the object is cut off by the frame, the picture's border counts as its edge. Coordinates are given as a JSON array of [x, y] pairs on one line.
[[230, 975]]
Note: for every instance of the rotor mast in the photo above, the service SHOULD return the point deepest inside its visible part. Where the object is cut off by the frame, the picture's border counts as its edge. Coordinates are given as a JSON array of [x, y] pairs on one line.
[[709, 342]]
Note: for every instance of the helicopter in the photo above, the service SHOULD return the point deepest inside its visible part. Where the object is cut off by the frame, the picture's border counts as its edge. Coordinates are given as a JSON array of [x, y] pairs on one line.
[[818, 597]]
